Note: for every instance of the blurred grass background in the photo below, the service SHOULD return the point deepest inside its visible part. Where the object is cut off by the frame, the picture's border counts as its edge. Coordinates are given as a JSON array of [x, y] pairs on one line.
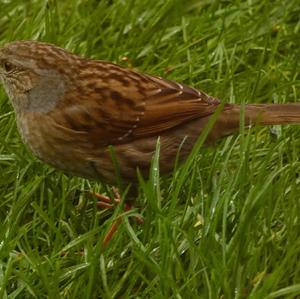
[[226, 224]]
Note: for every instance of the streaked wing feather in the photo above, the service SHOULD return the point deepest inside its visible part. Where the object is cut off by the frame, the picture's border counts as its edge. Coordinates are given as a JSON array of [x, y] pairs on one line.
[[147, 106], [172, 105]]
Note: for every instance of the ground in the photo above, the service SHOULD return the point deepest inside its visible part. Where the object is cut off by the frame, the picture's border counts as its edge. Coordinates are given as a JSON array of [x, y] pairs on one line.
[[225, 224]]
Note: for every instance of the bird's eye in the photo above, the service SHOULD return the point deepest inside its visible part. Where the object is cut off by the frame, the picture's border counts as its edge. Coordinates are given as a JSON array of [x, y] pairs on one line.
[[8, 67]]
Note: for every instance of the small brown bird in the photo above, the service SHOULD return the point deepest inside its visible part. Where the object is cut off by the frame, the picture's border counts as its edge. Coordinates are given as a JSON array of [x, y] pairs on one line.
[[69, 109]]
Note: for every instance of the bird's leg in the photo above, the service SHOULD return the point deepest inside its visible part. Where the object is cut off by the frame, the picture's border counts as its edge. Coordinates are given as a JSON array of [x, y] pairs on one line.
[[105, 202]]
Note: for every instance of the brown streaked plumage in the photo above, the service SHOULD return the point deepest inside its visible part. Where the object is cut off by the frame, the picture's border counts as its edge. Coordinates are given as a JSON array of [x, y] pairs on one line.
[[69, 109]]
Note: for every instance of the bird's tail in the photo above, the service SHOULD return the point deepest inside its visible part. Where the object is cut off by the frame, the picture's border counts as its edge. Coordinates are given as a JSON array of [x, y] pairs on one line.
[[272, 114], [255, 114]]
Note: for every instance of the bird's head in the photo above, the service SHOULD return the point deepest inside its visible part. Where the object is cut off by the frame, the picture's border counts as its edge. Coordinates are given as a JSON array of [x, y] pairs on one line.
[[32, 73]]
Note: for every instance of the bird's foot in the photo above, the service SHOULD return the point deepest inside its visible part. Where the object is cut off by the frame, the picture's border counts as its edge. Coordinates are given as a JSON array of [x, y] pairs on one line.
[[106, 202]]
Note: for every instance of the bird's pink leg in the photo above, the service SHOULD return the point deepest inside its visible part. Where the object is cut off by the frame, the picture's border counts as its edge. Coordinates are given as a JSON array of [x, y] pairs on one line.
[[106, 202]]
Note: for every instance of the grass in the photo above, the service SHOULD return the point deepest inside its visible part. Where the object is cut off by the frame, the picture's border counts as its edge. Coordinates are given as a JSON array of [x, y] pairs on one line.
[[225, 224]]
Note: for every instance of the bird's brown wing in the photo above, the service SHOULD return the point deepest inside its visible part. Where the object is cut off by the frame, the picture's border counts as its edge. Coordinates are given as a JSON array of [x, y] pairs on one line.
[[124, 105], [172, 105]]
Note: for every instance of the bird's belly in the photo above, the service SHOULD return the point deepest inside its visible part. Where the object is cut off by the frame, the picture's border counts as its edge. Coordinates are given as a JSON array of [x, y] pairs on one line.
[[62, 149], [74, 153]]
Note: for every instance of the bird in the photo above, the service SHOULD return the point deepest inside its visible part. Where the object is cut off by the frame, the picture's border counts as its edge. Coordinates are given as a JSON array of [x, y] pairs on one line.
[[71, 111], [85, 116]]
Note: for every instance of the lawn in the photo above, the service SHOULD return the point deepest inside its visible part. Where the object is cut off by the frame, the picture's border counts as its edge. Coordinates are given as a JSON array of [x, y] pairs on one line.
[[223, 225]]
